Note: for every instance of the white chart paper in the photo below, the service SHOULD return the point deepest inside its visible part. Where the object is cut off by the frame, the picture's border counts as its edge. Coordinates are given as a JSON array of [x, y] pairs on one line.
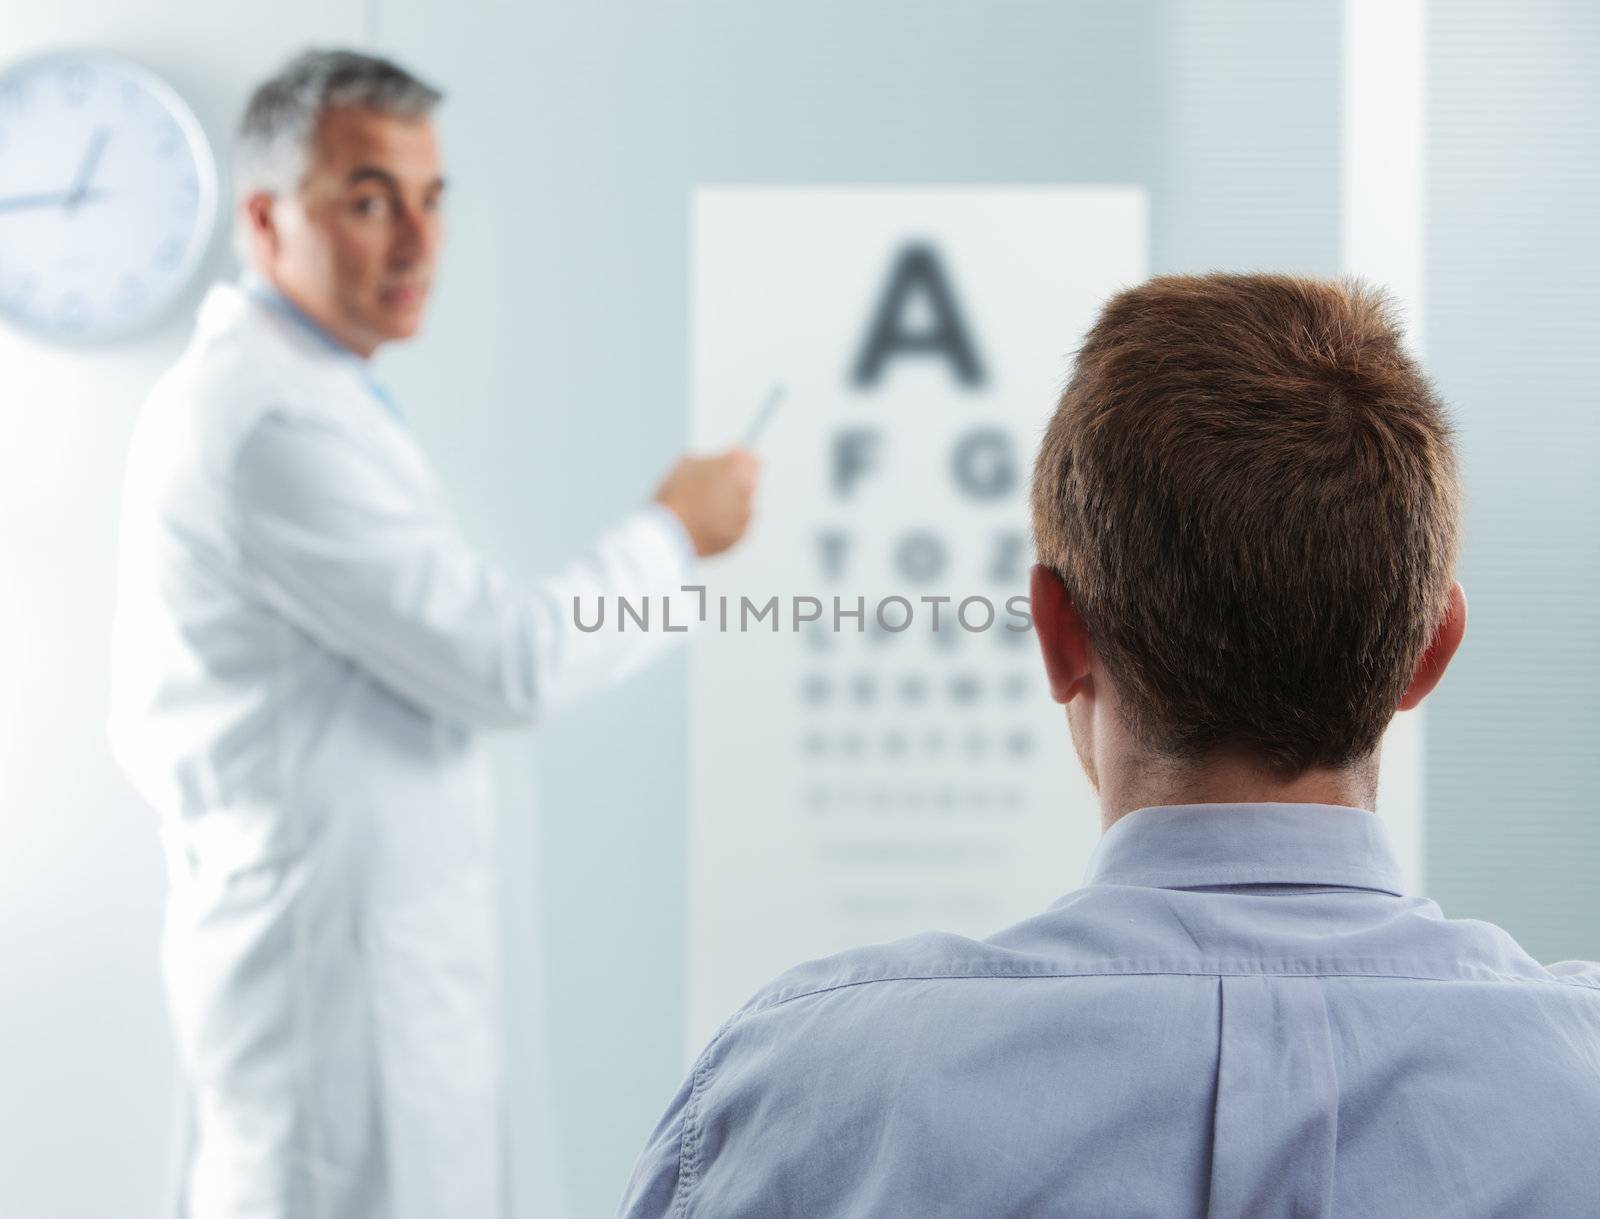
[[851, 783]]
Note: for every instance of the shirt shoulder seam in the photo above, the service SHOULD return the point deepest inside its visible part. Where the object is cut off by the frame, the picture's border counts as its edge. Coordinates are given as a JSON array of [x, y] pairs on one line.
[[783, 999], [689, 1140]]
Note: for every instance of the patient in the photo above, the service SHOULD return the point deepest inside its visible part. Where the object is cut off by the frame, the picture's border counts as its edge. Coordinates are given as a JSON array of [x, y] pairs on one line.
[[1246, 513]]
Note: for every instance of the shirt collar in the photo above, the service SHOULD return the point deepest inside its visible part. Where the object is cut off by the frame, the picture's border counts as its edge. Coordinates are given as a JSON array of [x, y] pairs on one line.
[[1181, 846], [259, 288], [262, 290]]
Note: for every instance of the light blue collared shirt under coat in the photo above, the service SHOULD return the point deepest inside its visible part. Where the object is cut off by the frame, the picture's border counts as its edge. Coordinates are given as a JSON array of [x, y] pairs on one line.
[[1240, 1014]]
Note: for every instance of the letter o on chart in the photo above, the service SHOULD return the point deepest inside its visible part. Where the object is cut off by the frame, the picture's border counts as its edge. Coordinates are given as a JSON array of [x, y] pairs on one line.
[[921, 556]]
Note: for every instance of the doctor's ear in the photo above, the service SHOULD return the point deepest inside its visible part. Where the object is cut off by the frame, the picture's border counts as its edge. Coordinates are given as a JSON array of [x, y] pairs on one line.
[[261, 230], [1063, 637]]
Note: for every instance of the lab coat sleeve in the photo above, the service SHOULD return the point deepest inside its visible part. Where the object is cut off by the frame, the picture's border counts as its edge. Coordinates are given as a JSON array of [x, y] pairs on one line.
[[342, 548]]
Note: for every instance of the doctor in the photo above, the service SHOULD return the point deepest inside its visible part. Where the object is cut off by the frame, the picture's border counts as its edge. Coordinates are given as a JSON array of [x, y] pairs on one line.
[[306, 656]]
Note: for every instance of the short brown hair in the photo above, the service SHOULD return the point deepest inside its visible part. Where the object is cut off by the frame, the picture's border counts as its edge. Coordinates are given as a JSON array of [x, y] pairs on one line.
[[1250, 493]]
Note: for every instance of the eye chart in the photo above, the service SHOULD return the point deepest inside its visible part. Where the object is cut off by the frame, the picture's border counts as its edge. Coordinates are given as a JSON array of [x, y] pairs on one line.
[[873, 751]]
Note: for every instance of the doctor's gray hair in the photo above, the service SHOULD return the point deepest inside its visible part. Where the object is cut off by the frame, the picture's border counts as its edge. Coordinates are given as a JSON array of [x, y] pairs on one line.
[[274, 145]]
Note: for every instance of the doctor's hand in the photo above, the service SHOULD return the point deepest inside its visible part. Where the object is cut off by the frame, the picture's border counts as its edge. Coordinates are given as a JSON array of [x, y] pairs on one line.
[[711, 496]]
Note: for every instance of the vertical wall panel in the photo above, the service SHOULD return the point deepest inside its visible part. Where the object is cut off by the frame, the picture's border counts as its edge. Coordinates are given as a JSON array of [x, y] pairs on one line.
[[1514, 339], [1249, 173]]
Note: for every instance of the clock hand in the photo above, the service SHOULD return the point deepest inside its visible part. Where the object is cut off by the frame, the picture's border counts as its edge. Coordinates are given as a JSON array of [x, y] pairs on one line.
[[18, 203], [91, 158]]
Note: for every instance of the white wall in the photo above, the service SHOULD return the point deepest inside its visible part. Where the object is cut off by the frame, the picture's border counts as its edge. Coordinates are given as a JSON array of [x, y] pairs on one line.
[[85, 1058]]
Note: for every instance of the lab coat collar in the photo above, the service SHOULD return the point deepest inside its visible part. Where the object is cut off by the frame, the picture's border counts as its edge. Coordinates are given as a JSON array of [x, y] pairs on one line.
[[262, 290], [225, 301]]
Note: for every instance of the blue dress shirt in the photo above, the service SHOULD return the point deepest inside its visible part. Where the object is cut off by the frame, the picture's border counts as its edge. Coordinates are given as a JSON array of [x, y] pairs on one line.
[[1239, 1014]]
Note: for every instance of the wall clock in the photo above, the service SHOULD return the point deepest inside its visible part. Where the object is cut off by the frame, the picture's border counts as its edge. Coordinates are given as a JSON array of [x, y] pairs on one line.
[[108, 195]]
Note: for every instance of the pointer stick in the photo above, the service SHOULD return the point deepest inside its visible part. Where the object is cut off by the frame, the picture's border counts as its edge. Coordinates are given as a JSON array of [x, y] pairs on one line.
[[759, 422]]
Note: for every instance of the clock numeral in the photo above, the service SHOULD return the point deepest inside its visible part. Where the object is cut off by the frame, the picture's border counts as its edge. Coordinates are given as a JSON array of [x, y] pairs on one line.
[[168, 253], [171, 139], [75, 311], [74, 80], [129, 293], [18, 297]]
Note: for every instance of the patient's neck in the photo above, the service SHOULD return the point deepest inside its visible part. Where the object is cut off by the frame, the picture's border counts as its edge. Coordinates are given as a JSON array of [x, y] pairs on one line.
[[1135, 783]]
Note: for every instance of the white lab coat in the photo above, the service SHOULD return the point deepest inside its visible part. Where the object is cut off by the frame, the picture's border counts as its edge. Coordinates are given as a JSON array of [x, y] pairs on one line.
[[305, 655]]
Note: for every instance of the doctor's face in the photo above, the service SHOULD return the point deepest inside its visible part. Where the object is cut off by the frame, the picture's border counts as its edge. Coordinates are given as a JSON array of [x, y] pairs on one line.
[[357, 246]]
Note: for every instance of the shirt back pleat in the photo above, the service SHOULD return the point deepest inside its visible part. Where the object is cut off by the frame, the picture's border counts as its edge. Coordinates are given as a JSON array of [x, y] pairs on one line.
[[1277, 1101]]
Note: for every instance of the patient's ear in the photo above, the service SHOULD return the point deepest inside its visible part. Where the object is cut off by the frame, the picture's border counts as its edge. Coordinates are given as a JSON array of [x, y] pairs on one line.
[[1063, 639], [1437, 656]]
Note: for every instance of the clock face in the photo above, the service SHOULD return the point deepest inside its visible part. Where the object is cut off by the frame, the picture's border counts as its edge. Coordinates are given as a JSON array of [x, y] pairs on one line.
[[107, 196]]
